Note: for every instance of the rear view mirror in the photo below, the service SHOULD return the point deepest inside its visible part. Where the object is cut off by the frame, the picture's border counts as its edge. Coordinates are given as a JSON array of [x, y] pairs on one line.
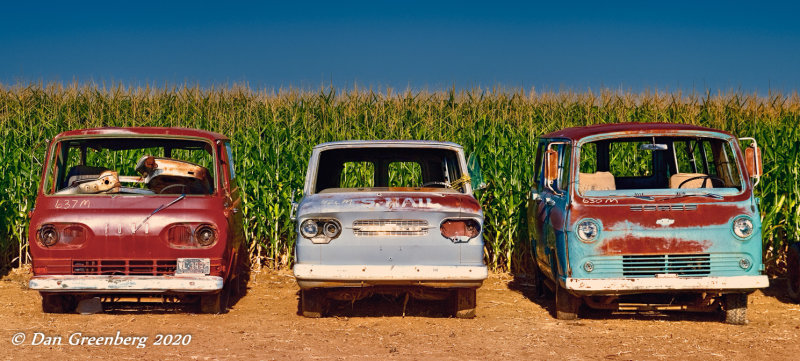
[[653, 146]]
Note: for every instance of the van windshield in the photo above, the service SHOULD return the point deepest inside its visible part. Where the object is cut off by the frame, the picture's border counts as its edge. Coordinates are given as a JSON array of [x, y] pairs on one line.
[[370, 169], [663, 165], [141, 166]]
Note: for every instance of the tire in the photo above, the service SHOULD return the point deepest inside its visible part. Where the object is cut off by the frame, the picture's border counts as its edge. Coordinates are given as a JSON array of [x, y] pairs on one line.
[[464, 302], [793, 272], [567, 305], [57, 303], [735, 307], [215, 303], [312, 303], [242, 276], [538, 280]]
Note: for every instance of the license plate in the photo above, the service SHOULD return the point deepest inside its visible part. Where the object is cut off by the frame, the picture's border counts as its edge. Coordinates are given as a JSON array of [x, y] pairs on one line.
[[201, 266]]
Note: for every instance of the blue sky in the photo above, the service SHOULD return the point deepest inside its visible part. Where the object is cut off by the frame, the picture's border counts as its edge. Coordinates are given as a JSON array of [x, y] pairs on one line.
[[638, 45]]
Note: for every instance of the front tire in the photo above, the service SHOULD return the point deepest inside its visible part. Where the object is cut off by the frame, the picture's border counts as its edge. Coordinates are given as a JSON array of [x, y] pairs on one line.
[[312, 303], [57, 303], [215, 303], [793, 272], [567, 304], [464, 302], [735, 307]]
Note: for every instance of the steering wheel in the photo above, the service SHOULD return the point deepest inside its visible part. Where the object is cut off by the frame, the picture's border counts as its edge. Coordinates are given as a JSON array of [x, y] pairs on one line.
[[442, 184], [715, 181], [172, 186]]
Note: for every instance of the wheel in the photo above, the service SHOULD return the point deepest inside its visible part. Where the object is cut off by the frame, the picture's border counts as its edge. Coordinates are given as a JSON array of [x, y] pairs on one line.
[[215, 303], [793, 272], [312, 303], [567, 305], [464, 301], [538, 280], [57, 303], [735, 305], [242, 276]]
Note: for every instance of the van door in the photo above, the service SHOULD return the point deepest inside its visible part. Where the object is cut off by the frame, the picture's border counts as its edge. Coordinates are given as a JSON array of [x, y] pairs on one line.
[[548, 210], [233, 201]]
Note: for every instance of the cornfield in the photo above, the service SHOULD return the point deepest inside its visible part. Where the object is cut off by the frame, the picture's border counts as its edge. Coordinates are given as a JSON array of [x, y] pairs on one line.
[[273, 132]]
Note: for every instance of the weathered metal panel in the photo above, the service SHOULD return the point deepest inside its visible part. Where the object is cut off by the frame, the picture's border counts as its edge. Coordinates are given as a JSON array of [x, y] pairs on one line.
[[126, 284], [402, 256]]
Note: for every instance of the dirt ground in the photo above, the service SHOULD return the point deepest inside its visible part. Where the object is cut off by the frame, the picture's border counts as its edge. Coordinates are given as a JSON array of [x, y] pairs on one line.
[[510, 325]]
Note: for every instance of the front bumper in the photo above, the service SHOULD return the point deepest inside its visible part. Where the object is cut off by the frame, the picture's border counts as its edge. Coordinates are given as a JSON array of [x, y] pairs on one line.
[[664, 284], [314, 276], [126, 284]]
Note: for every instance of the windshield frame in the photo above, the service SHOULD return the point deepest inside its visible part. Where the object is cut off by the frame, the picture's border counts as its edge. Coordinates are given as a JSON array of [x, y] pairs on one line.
[[313, 163], [54, 145], [660, 193]]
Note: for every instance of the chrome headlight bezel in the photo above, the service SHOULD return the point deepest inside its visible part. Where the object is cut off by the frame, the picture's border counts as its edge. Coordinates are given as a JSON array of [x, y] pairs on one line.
[[320, 230], [584, 227], [743, 227], [309, 228]]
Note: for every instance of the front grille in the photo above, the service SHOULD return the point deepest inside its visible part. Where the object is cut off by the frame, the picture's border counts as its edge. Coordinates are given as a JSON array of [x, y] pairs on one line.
[[678, 264], [124, 267], [669, 207], [390, 227]]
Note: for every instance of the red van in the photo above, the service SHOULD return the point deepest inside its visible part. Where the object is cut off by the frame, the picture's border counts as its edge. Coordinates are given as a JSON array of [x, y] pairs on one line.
[[135, 212]]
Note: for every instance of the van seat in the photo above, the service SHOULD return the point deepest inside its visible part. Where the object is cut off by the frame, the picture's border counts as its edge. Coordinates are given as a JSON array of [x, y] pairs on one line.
[[599, 181], [82, 173], [676, 180]]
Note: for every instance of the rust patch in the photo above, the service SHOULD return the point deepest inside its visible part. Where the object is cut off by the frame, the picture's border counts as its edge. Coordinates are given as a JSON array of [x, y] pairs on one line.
[[652, 245], [706, 214]]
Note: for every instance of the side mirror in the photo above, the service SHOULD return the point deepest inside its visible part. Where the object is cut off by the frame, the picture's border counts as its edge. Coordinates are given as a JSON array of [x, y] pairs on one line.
[[752, 160], [293, 211], [550, 166]]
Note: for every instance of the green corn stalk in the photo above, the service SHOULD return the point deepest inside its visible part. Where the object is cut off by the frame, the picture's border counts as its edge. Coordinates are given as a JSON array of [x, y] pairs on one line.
[[273, 132]]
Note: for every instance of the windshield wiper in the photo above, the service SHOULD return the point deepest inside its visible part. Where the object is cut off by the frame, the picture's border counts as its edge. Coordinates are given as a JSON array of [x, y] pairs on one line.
[[637, 196], [705, 194], [160, 208]]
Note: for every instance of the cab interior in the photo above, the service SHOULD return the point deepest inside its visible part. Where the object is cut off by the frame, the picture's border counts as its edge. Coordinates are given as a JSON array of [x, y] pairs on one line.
[[656, 163]]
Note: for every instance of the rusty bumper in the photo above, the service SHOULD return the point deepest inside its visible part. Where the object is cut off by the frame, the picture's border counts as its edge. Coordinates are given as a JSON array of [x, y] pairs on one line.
[[126, 284], [665, 284], [315, 276]]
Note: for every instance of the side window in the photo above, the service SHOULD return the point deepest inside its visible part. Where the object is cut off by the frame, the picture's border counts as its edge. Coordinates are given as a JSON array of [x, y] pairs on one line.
[[230, 159], [565, 153], [627, 159], [405, 174], [588, 153], [357, 175], [538, 174]]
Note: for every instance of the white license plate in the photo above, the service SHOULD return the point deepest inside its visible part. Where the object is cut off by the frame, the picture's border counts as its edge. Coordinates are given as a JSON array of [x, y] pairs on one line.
[[195, 266]]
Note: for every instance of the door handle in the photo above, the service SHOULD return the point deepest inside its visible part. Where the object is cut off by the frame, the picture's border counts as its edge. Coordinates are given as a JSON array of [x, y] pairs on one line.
[[235, 210], [550, 202]]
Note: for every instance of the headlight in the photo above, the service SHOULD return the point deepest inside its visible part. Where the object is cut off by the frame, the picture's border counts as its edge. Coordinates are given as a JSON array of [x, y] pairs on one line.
[[743, 227], [331, 229], [48, 235], [309, 228], [206, 235], [588, 230]]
